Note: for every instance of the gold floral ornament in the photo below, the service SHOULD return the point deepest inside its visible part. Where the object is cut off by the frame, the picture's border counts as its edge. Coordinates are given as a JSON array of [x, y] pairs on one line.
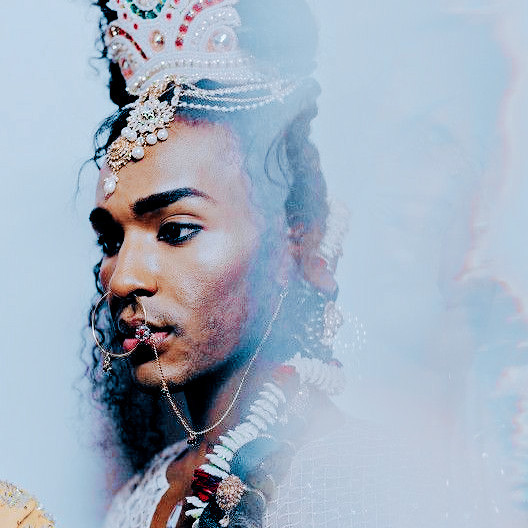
[[228, 495], [18, 509], [146, 125]]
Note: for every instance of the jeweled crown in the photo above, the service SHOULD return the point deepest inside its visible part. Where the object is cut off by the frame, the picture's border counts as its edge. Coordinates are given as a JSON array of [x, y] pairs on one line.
[[173, 44], [186, 39]]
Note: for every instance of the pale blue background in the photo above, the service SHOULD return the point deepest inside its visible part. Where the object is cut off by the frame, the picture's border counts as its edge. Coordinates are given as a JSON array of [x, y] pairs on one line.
[[423, 133]]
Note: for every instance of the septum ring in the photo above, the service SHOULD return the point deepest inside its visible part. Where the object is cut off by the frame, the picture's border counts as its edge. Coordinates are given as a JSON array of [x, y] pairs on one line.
[[143, 332]]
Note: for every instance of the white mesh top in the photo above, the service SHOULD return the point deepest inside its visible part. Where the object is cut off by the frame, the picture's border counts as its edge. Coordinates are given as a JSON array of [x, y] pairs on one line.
[[350, 478]]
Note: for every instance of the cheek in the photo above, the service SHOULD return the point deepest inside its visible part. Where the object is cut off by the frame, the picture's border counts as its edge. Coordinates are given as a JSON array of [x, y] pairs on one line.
[[215, 290], [217, 266], [105, 273]]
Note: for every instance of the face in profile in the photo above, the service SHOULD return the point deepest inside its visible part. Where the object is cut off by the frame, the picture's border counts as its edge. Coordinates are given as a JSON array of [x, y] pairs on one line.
[[181, 234]]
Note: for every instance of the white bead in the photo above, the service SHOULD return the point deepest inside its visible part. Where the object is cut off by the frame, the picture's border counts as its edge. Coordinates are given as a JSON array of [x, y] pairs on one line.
[[129, 134], [109, 186], [257, 421], [218, 462], [138, 153], [229, 443], [163, 134], [151, 139], [237, 437]]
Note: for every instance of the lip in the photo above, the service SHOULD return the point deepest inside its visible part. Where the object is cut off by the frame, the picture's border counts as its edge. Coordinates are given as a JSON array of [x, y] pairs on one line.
[[156, 338]]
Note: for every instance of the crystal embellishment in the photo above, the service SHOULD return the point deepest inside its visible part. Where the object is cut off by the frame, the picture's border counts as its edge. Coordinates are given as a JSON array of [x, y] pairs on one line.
[[150, 116]]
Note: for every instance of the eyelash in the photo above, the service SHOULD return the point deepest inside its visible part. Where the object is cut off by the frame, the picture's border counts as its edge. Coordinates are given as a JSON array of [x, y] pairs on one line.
[[110, 247], [165, 232]]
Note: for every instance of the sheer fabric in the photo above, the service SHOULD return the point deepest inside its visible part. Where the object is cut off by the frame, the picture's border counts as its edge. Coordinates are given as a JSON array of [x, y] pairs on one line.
[[135, 503], [347, 478]]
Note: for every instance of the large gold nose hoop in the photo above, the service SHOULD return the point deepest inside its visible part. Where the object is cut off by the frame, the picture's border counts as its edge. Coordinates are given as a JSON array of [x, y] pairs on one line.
[[143, 333]]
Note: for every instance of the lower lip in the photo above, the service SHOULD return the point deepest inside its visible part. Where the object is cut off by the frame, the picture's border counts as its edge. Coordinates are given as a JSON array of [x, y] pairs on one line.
[[130, 344]]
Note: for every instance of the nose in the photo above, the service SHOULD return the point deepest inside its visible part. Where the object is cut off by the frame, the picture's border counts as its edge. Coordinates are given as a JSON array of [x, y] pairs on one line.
[[133, 271]]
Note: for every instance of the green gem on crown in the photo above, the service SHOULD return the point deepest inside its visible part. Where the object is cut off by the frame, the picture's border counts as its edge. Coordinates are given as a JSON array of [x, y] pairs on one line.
[[152, 13]]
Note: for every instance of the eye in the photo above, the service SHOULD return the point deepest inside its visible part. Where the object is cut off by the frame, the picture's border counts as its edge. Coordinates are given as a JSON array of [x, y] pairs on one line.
[[109, 245], [175, 233]]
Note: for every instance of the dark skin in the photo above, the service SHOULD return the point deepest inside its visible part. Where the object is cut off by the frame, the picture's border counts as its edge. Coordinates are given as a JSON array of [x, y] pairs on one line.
[[181, 234]]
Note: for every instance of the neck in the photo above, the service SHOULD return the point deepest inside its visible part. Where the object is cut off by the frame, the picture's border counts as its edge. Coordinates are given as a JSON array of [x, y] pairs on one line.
[[213, 394]]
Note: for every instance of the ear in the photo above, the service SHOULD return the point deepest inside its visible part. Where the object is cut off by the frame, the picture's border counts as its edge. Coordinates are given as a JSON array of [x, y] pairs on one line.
[[304, 250]]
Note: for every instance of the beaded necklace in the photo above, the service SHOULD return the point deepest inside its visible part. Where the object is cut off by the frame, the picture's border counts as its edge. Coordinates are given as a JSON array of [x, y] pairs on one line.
[[216, 488]]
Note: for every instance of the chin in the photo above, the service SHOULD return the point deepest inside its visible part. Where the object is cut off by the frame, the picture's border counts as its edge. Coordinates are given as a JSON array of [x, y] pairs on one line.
[[178, 373], [147, 375]]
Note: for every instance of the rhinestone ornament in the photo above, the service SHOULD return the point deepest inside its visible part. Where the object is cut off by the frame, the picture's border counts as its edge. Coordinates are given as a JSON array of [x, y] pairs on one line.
[[150, 117], [194, 39], [228, 495], [177, 43], [157, 41], [332, 320], [143, 333]]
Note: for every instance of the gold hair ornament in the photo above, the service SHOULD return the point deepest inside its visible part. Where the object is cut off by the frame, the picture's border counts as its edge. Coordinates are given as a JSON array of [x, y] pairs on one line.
[[150, 117], [159, 44]]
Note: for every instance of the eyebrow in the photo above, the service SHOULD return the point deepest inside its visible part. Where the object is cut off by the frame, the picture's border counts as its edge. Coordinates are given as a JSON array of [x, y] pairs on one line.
[[157, 201], [102, 220]]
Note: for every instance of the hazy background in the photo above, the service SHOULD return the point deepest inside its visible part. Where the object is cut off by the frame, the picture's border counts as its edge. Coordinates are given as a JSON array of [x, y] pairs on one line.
[[422, 129]]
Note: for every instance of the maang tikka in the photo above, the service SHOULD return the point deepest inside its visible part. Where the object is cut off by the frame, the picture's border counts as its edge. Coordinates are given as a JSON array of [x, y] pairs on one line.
[[163, 45]]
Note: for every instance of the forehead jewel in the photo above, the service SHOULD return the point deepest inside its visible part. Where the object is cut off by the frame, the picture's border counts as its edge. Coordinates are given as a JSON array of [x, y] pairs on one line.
[[163, 45]]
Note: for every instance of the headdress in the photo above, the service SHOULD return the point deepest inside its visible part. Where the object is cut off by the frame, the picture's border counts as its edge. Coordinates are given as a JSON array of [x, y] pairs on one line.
[[175, 44]]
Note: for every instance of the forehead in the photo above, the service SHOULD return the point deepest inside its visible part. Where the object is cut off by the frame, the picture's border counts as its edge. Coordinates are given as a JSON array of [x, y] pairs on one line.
[[201, 155]]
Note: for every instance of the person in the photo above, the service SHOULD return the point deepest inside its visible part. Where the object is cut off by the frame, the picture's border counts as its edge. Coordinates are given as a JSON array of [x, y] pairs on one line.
[[20, 509], [217, 292]]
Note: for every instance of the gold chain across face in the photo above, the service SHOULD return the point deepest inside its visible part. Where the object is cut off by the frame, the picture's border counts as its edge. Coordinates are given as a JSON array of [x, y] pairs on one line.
[[144, 335]]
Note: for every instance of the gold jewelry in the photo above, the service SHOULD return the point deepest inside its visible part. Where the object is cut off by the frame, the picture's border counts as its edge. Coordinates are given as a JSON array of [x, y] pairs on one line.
[[228, 495], [142, 330], [193, 435], [18, 506]]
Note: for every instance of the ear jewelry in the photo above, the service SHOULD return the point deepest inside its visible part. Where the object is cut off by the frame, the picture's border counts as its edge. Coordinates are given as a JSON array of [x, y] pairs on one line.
[[142, 334]]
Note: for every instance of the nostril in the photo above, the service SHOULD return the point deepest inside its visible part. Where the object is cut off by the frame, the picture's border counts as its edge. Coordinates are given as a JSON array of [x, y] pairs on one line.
[[143, 293]]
